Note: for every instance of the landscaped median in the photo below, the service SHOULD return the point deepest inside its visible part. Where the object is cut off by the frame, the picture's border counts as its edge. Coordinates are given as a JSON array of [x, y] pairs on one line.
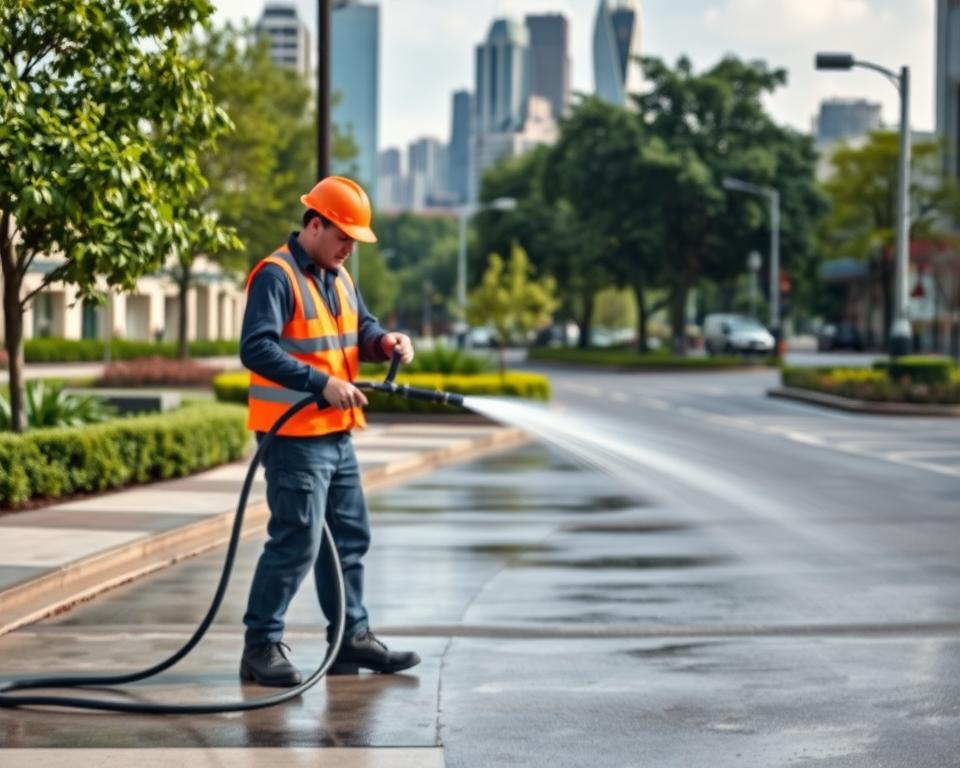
[[909, 385], [49, 463], [626, 359], [232, 388]]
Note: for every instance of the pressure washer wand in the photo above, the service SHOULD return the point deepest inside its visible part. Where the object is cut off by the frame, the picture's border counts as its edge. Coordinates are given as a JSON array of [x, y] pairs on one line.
[[390, 387]]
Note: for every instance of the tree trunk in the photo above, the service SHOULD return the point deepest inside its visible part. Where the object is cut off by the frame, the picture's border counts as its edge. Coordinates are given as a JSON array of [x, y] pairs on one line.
[[586, 320], [13, 325], [641, 317], [183, 283], [678, 320]]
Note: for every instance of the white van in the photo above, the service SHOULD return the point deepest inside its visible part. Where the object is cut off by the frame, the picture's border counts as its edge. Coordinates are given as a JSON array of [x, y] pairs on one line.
[[736, 334]]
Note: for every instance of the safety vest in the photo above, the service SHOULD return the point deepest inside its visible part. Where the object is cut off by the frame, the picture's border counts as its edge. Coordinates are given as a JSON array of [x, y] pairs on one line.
[[316, 336]]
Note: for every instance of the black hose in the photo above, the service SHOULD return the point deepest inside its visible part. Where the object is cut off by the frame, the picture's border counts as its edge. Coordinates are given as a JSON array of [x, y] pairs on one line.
[[6, 700]]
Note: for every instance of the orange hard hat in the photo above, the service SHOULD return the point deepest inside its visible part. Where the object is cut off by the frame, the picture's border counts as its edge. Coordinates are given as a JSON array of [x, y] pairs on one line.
[[344, 203]]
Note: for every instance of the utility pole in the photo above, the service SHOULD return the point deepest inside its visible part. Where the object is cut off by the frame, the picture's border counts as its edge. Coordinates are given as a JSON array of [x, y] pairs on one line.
[[323, 88]]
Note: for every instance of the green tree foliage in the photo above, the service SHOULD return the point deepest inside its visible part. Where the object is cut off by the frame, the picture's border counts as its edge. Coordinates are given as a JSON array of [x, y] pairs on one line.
[[713, 125], [862, 189], [421, 261], [510, 299], [102, 118]]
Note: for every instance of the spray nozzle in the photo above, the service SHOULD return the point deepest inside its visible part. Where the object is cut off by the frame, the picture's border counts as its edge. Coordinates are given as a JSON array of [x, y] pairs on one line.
[[389, 386]]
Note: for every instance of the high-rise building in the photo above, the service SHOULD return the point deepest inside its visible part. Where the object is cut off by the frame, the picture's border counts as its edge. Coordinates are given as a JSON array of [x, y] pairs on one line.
[[355, 82], [458, 159], [616, 41], [288, 36], [501, 78], [846, 119], [948, 83], [426, 172], [390, 180], [549, 60], [507, 119]]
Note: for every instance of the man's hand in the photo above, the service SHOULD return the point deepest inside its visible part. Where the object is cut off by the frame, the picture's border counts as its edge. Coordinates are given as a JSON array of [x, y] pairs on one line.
[[399, 342], [342, 394]]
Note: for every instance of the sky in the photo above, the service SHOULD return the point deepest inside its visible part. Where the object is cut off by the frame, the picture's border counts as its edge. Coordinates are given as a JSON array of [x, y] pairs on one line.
[[426, 49]]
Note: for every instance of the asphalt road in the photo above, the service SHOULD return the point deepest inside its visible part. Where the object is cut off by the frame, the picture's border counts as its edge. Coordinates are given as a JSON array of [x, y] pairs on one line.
[[718, 579]]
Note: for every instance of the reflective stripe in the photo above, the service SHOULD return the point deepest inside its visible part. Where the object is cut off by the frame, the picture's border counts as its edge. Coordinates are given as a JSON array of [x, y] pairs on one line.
[[318, 343], [276, 394], [350, 292], [309, 308]]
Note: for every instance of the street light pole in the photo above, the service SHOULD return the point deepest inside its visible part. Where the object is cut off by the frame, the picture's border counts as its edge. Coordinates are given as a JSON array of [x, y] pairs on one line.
[[901, 333], [323, 88], [465, 212], [773, 198]]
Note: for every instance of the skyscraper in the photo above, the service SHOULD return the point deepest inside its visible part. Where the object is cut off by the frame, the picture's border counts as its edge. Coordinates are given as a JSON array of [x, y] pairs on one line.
[[507, 119], [458, 167], [948, 83], [846, 119], [355, 81], [616, 40], [289, 40], [501, 78], [390, 180], [549, 61], [426, 171]]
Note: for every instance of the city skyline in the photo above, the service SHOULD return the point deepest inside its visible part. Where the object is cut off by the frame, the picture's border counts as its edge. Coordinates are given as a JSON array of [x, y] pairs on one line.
[[422, 62]]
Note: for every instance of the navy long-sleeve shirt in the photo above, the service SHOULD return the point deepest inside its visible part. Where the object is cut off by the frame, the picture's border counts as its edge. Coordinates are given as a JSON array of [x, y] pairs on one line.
[[270, 306]]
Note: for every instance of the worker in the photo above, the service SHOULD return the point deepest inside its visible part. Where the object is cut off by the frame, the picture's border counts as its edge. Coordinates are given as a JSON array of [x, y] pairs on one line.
[[305, 330]]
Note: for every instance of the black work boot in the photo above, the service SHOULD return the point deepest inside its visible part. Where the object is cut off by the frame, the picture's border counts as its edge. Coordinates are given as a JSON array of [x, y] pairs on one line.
[[365, 650], [267, 664]]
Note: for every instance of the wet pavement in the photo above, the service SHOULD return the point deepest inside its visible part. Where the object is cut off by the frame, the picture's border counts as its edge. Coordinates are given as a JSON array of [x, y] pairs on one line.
[[567, 619]]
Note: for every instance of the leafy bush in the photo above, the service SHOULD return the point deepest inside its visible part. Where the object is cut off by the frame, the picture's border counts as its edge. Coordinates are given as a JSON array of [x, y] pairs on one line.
[[435, 360], [921, 370], [626, 358], [873, 385], [47, 405], [55, 350], [232, 387], [156, 371], [55, 462]]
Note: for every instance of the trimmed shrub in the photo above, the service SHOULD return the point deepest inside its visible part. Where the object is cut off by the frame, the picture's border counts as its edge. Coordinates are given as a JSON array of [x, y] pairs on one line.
[[625, 358], [55, 462], [921, 370], [232, 387], [157, 371], [55, 350], [873, 385]]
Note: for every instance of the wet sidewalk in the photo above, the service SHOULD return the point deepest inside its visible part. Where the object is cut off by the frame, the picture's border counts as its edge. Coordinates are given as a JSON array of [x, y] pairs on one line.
[[56, 556]]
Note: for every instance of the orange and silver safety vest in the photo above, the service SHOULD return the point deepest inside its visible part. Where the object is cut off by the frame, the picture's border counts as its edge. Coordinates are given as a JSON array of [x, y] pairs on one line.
[[316, 336]]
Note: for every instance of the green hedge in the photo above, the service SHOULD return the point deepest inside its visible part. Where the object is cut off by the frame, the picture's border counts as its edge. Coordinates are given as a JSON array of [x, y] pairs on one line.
[[232, 387], [625, 358], [919, 370], [56, 462], [877, 385], [54, 350]]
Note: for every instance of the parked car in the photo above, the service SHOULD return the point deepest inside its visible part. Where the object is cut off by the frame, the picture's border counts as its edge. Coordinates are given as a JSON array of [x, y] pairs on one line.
[[736, 334], [839, 336]]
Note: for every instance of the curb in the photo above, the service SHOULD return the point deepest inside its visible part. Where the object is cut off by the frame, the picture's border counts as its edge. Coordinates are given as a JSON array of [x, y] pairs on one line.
[[863, 406], [81, 580]]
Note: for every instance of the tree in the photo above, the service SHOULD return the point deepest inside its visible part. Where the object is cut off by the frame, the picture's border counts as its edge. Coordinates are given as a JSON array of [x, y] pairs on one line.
[[511, 300], [713, 125], [102, 116], [863, 193], [258, 170]]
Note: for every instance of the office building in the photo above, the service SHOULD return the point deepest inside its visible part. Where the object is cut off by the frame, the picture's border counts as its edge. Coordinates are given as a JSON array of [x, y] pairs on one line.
[[458, 155], [616, 41], [948, 83], [549, 60], [288, 36], [846, 119]]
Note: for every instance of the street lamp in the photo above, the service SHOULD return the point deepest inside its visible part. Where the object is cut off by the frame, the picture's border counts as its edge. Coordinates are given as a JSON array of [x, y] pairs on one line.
[[754, 261], [901, 335], [773, 196], [465, 212]]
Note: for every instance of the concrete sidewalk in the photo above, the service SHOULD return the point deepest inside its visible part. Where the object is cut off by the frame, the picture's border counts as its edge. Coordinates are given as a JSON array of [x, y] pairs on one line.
[[56, 556]]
